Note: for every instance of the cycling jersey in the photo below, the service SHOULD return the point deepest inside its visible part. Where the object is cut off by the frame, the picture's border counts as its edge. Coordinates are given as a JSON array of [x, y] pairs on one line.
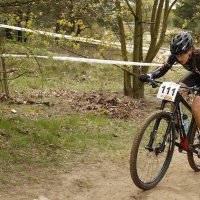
[[193, 65]]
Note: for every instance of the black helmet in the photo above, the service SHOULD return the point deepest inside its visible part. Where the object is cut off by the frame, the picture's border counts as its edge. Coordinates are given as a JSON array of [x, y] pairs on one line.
[[181, 43]]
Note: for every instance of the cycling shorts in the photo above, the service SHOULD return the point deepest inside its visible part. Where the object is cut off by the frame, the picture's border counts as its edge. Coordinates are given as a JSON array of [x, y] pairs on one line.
[[191, 79]]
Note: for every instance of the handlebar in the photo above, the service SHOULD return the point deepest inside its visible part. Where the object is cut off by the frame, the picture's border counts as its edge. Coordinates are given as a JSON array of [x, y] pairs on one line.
[[155, 83]]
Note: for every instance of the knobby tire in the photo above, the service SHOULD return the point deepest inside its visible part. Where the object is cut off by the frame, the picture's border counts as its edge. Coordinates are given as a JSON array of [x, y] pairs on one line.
[[137, 147]]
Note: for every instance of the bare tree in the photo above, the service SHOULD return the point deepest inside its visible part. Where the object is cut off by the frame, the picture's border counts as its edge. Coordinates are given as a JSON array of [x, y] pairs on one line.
[[158, 26]]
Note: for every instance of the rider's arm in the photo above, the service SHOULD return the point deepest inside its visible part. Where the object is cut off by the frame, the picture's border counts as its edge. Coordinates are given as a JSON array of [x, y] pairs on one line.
[[164, 68]]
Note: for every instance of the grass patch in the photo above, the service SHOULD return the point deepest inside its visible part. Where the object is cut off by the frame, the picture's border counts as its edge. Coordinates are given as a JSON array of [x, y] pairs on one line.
[[65, 75], [54, 142]]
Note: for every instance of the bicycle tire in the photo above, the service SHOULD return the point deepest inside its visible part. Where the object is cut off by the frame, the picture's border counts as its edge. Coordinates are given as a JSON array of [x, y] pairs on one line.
[[193, 159], [135, 160]]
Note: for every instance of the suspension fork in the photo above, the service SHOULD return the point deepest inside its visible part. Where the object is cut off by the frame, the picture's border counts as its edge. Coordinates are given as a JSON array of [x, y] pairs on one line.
[[155, 129], [152, 135], [176, 112], [161, 147]]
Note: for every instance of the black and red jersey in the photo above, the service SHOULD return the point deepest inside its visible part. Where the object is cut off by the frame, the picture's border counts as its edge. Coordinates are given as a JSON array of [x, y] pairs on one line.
[[193, 65]]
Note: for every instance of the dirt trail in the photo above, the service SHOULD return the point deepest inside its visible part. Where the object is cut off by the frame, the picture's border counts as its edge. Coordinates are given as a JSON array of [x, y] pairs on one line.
[[106, 180]]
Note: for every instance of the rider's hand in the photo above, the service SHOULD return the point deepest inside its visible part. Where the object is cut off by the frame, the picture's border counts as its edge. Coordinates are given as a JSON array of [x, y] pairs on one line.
[[144, 77]]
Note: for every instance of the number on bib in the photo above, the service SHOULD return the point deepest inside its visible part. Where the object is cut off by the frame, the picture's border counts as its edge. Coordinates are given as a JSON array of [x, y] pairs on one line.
[[168, 91]]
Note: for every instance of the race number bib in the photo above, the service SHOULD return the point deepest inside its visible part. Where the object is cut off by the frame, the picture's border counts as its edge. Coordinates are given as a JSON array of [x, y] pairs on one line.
[[168, 91]]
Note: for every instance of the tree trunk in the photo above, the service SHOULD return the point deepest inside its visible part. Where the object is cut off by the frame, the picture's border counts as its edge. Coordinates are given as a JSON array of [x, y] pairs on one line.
[[19, 33], [127, 77], [4, 78], [138, 87]]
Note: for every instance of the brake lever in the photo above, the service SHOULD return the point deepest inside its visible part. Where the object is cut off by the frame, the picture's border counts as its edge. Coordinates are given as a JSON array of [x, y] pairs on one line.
[[153, 83]]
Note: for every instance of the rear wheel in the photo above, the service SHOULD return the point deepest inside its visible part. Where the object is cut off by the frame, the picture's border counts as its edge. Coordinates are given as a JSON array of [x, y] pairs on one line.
[[147, 164], [194, 153]]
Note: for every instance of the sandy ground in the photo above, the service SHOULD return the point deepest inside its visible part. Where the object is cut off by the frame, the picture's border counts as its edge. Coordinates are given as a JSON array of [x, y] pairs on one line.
[[107, 180]]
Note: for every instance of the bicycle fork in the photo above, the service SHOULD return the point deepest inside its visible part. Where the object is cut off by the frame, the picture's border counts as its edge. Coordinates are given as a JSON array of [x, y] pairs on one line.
[[161, 147]]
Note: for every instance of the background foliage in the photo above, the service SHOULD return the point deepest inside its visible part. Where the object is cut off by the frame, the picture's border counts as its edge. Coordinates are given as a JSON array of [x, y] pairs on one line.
[[115, 21]]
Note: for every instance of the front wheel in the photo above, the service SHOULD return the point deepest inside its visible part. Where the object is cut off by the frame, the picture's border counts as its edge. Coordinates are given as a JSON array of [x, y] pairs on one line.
[[148, 161]]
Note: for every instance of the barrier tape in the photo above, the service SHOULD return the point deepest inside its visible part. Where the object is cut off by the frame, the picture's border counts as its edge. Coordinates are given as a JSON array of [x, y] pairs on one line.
[[68, 37], [80, 39], [86, 60]]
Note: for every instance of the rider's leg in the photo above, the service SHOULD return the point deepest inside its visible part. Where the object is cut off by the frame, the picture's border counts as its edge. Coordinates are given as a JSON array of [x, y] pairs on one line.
[[196, 110], [192, 79]]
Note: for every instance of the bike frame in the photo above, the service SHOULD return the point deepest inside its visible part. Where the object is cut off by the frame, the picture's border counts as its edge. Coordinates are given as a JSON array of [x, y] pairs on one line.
[[175, 115]]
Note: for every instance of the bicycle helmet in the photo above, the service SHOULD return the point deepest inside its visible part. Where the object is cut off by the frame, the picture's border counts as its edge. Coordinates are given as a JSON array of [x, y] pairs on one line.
[[181, 43]]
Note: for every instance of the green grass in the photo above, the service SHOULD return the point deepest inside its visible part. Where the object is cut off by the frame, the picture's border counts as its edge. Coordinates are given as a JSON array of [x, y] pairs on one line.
[[53, 142], [74, 133], [76, 76]]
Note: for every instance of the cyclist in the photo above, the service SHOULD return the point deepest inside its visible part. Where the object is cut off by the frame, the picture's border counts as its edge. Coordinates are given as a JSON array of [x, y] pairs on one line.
[[182, 51]]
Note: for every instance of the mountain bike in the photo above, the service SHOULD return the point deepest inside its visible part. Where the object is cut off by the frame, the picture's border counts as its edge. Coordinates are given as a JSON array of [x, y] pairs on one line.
[[154, 144]]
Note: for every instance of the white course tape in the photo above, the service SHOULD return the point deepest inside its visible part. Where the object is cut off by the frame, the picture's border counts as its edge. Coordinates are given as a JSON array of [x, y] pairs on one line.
[[81, 39], [110, 62], [86, 60], [68, 37]]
